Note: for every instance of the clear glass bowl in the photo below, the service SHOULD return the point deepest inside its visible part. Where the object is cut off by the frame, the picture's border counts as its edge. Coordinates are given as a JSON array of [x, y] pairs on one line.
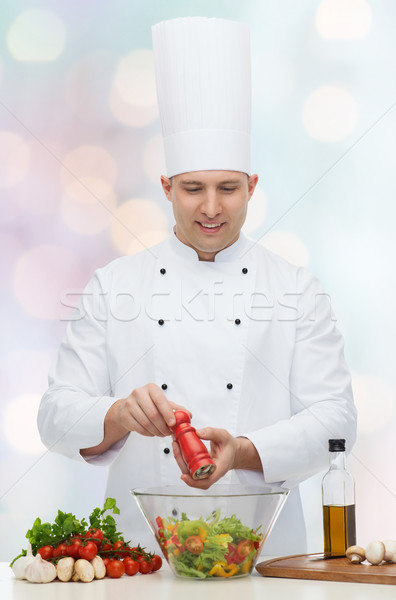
[[215, 533]]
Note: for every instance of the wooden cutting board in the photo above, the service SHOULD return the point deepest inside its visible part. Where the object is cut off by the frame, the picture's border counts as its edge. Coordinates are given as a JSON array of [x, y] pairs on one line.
[[315, 566]]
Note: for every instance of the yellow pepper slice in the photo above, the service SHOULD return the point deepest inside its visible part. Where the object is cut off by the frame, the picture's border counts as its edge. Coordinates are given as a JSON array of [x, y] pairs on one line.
[[221, 569], [246, 566]]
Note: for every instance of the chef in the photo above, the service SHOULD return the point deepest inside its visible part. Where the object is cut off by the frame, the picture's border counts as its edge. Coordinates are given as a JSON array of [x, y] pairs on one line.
[[208, 320]]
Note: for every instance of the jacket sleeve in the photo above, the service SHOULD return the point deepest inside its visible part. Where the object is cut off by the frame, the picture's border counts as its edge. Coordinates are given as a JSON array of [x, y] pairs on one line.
[[72, 410], [321, 401]]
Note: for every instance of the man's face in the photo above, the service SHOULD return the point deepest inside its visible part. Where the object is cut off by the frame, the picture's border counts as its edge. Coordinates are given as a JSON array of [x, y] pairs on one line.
[[209, 208]]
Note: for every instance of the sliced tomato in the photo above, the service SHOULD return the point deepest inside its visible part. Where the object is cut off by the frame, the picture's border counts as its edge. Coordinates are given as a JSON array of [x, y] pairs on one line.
[[244, 548], [194, 544]]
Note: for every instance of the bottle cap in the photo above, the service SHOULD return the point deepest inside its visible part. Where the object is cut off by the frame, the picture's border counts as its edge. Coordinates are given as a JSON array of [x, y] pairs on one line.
[[337, 445]]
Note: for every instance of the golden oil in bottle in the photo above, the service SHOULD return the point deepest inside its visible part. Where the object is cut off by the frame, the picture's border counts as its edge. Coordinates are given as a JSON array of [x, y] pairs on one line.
[[338, 498], [339, 529]]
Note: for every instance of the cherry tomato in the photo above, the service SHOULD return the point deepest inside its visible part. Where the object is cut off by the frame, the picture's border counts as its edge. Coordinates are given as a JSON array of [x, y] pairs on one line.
[[106, 561], [145, 566], [131, 566], [244, 547], [106, 545], [156, 562], [194, 544], [89, 551], [46, 552], [115, 569], [73, 549], [60, 550], [96, 535], [118, 546]]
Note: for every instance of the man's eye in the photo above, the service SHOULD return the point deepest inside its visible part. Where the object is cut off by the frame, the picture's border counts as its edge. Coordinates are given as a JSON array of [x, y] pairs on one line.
[[192, 189], [228, 189]]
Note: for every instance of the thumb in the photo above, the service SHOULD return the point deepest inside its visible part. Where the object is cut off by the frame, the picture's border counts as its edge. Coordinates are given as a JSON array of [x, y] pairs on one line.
[[211, 434]]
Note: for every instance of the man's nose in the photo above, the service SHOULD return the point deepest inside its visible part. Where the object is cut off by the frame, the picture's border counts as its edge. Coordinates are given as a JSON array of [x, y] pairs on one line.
[[211, 205]]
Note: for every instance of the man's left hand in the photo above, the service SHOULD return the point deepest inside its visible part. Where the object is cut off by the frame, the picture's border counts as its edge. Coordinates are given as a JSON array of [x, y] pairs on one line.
[[228, 452]]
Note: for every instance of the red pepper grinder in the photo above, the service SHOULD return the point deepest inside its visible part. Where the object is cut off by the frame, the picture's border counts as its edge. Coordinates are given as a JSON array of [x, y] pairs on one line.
[[193, 449]]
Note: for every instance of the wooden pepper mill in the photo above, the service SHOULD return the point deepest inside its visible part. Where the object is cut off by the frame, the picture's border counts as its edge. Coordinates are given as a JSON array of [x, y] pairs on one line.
[[193, 449]]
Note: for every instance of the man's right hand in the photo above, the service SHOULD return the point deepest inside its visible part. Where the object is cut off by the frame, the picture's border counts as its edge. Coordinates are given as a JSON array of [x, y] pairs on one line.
[[147, 411]]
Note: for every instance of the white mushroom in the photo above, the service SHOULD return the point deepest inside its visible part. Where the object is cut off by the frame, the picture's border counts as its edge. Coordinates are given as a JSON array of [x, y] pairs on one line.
[[84, 570], [356, 554], [390, 550], [65, 568], [375, 552], [99, 567]]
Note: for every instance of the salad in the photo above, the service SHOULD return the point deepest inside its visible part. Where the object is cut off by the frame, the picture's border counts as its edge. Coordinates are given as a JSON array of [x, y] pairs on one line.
[[207, 548]]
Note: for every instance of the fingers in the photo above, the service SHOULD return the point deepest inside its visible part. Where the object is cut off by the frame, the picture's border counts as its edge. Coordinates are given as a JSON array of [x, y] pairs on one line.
[[213, 434], [178, 457], [178, 407], [148, 412]]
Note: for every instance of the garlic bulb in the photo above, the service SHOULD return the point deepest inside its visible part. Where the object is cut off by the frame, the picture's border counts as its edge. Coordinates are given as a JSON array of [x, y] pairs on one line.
[[40, 571], [22, 562]]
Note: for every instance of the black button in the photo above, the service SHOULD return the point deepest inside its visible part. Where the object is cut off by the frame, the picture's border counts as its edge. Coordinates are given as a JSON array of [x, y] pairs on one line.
[[162, 271], [244, 270], [164, 386], [166, 450], [161, 322], [237, 321], [229, 386]]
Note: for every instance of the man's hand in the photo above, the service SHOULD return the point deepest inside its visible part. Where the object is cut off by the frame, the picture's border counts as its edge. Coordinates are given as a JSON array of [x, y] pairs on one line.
[[227, 452], [146, 411]]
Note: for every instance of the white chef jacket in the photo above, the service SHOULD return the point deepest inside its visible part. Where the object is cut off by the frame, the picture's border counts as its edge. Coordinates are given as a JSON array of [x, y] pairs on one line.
[[247, 343]]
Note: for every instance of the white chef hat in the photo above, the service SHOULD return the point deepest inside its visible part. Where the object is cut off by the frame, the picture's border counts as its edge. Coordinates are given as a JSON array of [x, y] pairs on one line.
[[202, 68]]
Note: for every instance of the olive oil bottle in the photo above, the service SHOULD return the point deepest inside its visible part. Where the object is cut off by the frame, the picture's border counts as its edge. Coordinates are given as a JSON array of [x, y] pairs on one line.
[[338, 495]]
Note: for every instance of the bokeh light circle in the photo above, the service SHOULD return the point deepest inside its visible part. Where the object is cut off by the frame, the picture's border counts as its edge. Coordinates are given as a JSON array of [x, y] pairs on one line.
[[330, 113], [375, 402], [343, 19], [133, 96], [88, 161], [14, 159], [287, 245], [134, 79], [87, 205], [36, 34], [256, 211], [19, 424], [42, 277], [133, 220], [10, 250]]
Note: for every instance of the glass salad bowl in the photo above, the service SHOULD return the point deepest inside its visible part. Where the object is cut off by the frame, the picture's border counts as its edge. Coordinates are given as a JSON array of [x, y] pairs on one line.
[[215, 533]]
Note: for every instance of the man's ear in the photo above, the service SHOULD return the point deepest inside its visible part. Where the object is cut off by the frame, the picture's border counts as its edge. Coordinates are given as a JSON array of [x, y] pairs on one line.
[[167, 187], [252, 182]]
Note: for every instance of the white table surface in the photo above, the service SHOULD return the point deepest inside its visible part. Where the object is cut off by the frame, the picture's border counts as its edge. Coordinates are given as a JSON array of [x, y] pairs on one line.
[[162, 585]]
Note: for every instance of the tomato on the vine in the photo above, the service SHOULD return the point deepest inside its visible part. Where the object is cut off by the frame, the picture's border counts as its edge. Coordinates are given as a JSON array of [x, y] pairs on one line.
[[145, 566], [156, 562], [89, 551], [96, 535], [60, 550], [73, 549], [131, 566], [106, 561], [106, 545], [115, 569], [46, 552]]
